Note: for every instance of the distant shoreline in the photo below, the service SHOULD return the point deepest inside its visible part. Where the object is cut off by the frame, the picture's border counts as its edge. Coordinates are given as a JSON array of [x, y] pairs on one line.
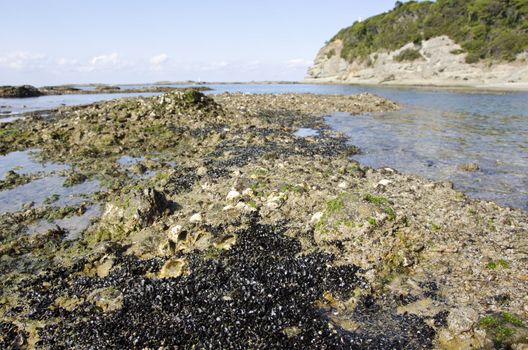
[[72, 89], [496, 87], [505, 87]]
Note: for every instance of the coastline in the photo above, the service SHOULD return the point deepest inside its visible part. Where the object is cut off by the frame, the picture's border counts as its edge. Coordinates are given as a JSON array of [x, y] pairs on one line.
[[237, 201], [203, 86], [451, 86]]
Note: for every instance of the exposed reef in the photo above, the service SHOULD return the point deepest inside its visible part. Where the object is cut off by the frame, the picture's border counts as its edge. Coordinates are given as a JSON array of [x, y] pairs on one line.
[[31, 91], [222, 228]]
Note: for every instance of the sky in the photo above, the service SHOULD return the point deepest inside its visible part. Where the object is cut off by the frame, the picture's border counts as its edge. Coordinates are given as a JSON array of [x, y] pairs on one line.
[[45, 42]]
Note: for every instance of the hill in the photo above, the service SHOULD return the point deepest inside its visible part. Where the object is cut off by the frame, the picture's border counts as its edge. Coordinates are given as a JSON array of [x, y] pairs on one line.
[[476, 32]]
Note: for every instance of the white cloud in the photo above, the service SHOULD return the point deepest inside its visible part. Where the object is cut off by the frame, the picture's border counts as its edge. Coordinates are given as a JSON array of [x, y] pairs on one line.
[[66, 62], [28, 67], [159, 59], [211, 66], [298, 63], [158, 62], [104, 62], [23, 60]]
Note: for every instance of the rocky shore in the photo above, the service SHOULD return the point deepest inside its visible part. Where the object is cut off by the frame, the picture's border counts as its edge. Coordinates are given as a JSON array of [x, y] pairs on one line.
[[440, 62], [222, 228], [31, 91]]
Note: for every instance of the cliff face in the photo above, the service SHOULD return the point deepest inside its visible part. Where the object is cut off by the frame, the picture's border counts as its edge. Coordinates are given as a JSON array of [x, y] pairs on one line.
[[440, 63], [447, 42]]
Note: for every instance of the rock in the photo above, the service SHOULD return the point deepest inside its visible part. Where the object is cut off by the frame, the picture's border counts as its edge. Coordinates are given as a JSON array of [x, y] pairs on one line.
[[174, 233], [232, 195], [197, 217], [67, 303], [150, 205], [107, 88], [462, 320], [243, 207], [343, 185], [107, 299], [134, 211], [291, 331], [275, 201], [197, 239], [382, 68], [316, 217], [226, 242], [384, 182], [172, 268], [201, 171], [28, 205], [248, 192], [19, 91], [469, 167], [103, 269], [407, 261], [138, 169], [74, 178], [390, 77]]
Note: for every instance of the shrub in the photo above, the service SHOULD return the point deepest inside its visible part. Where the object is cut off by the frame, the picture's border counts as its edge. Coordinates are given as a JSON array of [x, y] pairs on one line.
[[457, 52], [408, 55], [494, 29], [330, 53], [472, 58]]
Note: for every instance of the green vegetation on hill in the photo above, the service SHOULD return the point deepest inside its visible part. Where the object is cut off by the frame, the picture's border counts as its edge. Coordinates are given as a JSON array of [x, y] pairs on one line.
[[408, 55], [494, 29]]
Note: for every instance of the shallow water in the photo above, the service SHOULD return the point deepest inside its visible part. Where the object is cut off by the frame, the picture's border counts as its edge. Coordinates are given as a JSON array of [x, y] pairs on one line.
[[31, 104], [435, 131], [129, 160], [435, 143], [75, 224], [22, 162], [38, 190], [306, 132], [10, 119]]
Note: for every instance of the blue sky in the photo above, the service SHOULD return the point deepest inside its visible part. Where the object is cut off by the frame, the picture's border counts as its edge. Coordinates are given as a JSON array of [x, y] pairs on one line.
[[76, 41]]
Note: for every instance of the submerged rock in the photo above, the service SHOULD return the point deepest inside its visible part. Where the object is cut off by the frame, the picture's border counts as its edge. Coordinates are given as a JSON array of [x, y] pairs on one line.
[[469, 167]]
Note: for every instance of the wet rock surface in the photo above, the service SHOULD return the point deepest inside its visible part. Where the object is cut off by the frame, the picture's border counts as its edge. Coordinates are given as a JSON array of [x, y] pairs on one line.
[[221, 228]]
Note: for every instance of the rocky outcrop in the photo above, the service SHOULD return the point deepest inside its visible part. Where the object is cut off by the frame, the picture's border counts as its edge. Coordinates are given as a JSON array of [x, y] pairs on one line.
[[105, 88], [131, 212], [440, 62], [31, 91], [19, 91]]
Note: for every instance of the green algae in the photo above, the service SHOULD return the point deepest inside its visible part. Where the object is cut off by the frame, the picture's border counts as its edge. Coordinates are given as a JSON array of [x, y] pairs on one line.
[[501, 326], [501, 263]]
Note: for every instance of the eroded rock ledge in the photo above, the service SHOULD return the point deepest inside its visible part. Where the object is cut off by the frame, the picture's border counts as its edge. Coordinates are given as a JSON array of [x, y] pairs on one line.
[[244, 235]]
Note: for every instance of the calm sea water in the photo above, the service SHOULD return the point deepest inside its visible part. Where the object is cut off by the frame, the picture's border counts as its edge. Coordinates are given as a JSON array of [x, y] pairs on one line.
[[435, 132]]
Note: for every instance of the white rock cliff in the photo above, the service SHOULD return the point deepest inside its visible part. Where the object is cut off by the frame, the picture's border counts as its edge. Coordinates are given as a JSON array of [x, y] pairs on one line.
[[439, 66]]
